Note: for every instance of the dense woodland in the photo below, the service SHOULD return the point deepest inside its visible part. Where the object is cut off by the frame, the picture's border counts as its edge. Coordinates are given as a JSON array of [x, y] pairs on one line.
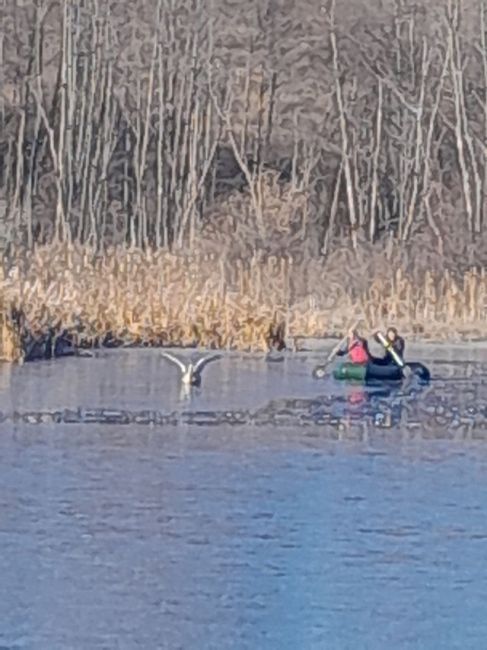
[[145, 122], [337, 133]]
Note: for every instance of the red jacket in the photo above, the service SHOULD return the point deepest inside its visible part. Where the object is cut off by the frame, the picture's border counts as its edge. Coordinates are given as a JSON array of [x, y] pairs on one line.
[[358, 351]]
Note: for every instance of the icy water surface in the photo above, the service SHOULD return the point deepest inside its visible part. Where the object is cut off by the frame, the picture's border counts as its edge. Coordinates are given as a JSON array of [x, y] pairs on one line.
[[329, 517]]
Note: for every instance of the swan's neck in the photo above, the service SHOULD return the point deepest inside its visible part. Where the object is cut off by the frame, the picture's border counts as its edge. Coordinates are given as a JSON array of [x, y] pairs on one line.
[[188, 374]]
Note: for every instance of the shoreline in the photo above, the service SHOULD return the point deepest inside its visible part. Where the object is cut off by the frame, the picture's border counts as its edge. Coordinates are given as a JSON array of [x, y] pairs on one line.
[[52, 346], [318, 344], [428, 348]]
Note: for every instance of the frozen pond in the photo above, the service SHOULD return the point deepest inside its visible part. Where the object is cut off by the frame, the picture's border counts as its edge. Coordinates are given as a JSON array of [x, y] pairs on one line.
[[329, 517]]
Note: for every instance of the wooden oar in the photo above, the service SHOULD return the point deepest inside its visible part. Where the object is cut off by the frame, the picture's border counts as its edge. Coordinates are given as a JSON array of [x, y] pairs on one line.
[[320, 371], [406, 371]]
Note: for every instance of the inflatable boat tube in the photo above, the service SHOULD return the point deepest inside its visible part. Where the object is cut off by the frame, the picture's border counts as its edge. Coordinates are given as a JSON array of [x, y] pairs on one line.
[[371, 371]]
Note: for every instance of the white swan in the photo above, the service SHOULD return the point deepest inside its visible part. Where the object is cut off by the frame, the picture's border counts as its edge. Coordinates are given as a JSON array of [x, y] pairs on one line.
[[191, 372]]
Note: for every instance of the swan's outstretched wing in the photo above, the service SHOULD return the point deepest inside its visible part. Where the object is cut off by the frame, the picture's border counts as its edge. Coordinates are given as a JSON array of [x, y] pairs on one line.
[[174, 360], [201, 363]]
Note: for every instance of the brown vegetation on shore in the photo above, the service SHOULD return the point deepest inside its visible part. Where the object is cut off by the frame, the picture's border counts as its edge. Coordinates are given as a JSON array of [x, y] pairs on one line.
[[159, 298], [206, 171]]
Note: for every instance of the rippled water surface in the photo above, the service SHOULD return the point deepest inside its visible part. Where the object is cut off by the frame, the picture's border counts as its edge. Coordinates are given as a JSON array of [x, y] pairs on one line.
[[272, 536]]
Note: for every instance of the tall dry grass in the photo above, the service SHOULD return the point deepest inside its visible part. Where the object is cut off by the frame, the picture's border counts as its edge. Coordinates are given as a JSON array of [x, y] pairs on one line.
[[159, 298]]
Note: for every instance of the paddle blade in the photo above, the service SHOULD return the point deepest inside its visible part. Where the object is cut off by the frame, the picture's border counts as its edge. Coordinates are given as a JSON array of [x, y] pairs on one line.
[[407, 372], [319, 372]]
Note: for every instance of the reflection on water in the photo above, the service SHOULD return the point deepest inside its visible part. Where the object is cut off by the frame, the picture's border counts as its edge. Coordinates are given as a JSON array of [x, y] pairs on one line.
[[244, 537]]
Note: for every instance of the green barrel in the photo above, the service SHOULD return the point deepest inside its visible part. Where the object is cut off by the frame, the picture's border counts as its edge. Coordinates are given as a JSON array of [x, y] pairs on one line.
[[350, 371]]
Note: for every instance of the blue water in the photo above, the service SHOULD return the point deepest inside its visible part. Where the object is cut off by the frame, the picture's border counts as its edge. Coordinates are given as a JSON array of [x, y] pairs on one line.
[[206, 539], [237, 537]]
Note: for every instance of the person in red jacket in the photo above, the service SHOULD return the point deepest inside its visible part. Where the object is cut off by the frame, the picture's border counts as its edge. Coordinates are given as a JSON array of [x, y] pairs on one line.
[[356, 348]]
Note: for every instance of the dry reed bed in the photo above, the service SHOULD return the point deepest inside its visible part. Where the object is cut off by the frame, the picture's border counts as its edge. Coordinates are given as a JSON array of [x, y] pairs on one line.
[[168, 299]]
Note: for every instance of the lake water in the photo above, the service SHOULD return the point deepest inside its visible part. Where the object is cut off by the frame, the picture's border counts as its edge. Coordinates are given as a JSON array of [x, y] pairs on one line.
[[366, 532]]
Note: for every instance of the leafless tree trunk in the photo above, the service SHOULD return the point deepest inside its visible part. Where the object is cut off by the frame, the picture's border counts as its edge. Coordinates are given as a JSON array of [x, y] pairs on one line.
[[418, 145], [375, 162], [347, 168], [463, 140]]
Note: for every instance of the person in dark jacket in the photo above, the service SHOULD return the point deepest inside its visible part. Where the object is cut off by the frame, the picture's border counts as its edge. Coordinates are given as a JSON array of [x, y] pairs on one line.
[[395, 342]]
